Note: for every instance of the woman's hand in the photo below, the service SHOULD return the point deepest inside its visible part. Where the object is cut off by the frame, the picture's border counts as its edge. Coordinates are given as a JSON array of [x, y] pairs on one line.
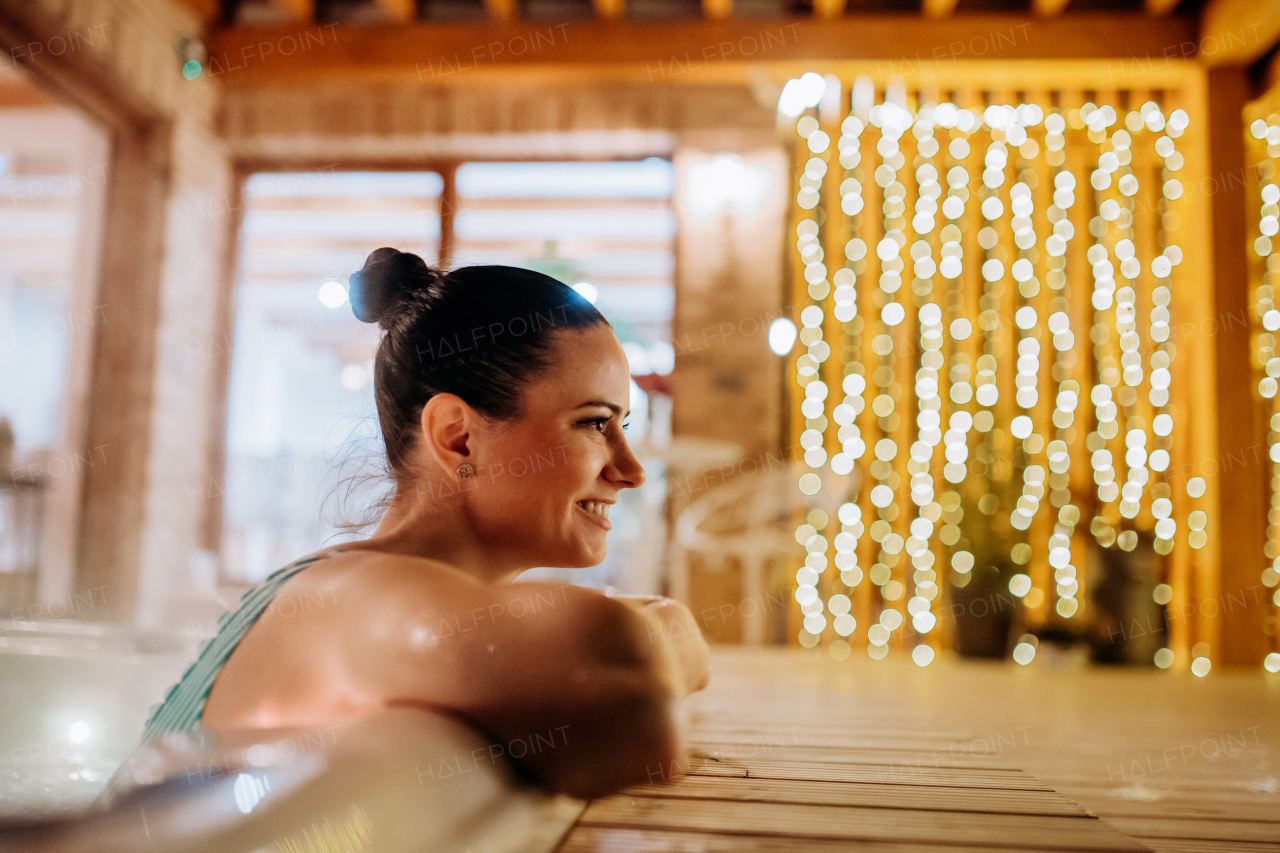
[[674, 624]]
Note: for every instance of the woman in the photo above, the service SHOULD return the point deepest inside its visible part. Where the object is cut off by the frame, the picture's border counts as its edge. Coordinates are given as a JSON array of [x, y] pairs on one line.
[[501, 396]]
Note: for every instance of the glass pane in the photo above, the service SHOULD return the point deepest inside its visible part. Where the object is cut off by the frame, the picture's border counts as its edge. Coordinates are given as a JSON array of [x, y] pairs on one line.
[[301, 413], [53, 176]]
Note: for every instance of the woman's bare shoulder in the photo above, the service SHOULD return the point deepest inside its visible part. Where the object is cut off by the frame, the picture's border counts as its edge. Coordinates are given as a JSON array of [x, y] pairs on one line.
[[408, 628], [363, 587], [403, 590]]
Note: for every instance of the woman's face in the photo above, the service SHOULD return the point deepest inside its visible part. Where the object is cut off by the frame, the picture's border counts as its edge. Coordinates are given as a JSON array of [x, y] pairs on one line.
[[547, 479]]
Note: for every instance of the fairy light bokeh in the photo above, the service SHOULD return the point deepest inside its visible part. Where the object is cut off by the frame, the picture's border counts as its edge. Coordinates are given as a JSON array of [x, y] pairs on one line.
[[1264, 144], [992, 340]]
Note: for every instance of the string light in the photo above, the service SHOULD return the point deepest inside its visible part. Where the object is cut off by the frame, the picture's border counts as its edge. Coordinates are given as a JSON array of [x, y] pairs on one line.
[[1266, 323], [928, 420], [813, 408], [1058, 452], [1163, 352], [955, 395], [853, 386], [893, 121]]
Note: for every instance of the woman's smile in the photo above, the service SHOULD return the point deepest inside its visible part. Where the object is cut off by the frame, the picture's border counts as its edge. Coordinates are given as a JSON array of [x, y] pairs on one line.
[[597, 511]]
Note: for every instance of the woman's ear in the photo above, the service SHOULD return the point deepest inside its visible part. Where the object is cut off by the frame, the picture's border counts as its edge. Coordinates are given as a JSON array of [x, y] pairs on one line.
[[447, 430]]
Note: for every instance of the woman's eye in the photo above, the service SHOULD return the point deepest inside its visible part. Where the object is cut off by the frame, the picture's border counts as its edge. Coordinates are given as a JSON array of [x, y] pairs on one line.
[[601, 423]]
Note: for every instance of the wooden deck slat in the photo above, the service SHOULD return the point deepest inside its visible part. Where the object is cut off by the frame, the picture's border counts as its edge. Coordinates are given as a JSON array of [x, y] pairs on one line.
[[939, 798], [1014, 780], [604, 839], [847, 721], [1197, 845], [1190, 803], [857, 823], [899, 760], [822, 734], [1198, 828], [833, 730], [1239, 778]]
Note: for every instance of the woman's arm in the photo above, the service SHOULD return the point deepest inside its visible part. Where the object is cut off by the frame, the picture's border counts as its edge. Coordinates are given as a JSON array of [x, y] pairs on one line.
[[676, 625], [578, 688]]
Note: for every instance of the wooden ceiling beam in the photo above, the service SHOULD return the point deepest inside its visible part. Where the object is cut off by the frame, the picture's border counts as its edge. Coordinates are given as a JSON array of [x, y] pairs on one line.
[[1048, 8], [270, 12], [826, 10], [938, 8], [717, 10], [298, 10], [1238, 32], [399, 11], [433, 54], [609, 10], [502, 10]]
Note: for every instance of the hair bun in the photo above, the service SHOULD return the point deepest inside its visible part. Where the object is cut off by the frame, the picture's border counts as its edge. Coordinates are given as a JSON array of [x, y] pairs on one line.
[[388, 275]]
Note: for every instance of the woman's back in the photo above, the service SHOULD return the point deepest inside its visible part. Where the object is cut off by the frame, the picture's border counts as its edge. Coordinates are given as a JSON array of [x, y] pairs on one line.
[[184, 706], [286, 670]]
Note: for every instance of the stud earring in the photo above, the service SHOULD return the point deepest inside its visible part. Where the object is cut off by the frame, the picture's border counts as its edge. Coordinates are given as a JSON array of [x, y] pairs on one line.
[[465, 471]]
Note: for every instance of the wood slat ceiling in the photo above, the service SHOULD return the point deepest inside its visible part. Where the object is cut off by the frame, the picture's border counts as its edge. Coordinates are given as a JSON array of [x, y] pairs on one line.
[[384, 41], [256, 12]]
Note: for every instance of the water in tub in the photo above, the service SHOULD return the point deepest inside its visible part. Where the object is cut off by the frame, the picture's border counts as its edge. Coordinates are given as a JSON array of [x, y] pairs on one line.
[[73, 699]]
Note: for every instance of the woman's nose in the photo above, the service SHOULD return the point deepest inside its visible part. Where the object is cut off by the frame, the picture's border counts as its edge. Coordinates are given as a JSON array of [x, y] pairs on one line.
[[629, 471]]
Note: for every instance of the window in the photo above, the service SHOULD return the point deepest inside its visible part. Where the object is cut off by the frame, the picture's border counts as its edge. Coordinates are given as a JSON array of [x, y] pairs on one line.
[[53, 176], [301, 398]]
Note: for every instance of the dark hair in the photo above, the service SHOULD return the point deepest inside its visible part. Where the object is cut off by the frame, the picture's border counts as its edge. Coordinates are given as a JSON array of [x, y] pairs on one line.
[[480, 332]]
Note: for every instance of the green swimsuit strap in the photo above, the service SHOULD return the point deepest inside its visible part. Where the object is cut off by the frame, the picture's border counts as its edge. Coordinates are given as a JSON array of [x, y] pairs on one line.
[[183, 704]]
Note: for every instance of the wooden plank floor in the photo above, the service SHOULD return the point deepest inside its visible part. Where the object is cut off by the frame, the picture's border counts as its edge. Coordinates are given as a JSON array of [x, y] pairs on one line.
[[792, 751]]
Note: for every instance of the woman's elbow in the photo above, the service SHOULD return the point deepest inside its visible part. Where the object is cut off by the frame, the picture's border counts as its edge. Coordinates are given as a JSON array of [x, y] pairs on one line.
[[612, 634], [599, 672], [638, 741]]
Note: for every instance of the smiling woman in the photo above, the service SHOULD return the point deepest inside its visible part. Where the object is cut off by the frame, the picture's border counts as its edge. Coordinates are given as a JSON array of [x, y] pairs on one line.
[[501, 396], [489, 367]]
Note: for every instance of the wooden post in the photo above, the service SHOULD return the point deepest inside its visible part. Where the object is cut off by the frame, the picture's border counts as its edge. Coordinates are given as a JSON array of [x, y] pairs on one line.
[[210, 534], [1237, 603], [448, 211], [121, 388], [118, 429]]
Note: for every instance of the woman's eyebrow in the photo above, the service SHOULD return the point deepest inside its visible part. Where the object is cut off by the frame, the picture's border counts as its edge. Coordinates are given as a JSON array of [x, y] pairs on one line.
[[613, 407]]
